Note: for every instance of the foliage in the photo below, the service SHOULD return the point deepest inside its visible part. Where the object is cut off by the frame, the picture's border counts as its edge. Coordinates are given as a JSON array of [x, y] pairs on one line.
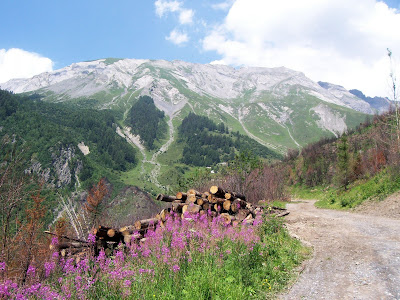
[[147, 121], [343, 163], [197, 179], [184, 260], [94, 205], [44, 129], [377, 188], [207, 143], [344, 172]]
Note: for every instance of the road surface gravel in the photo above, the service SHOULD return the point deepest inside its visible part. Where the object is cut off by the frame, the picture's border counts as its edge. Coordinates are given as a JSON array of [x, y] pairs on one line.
[[355, 256]]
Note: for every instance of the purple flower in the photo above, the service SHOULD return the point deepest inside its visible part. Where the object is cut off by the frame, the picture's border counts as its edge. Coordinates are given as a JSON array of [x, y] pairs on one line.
[[91, 238], [54, 240], [2, 266], [31, 271], [127, 283], [49, 267], [175, 268]]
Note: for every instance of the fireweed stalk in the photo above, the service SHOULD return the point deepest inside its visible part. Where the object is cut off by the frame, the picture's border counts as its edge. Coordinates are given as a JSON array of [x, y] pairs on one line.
[[186, 258]]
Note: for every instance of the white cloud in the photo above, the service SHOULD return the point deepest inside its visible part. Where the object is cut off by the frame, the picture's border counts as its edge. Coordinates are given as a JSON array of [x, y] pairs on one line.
[[339, 41], [163, 7], [17, 63], [177, 37], [223, 5], [186, 16]]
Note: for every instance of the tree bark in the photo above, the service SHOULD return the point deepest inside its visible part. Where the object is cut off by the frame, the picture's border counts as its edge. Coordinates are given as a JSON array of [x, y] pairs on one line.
[[165, 198], [181, 196], [217, 191], [141, 224]]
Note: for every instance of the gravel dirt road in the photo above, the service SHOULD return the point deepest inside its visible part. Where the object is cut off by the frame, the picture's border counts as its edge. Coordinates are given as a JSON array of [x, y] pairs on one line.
[[355, 256]]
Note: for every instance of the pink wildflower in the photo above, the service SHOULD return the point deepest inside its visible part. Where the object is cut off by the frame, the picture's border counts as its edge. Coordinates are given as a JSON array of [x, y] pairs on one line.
[[91, 238], [31, 271], [175, 268]]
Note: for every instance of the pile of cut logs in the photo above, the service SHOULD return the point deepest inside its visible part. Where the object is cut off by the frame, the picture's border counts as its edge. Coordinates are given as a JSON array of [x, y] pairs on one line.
[[232, 208]]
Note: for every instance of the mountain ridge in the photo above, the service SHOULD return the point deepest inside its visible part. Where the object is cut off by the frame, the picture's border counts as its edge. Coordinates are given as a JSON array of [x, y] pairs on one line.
[[264, 103]]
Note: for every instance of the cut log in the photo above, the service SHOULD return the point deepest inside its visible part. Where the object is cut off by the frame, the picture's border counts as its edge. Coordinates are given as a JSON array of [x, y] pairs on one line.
[[233, 195], [140, 224], [128, 239], [181, 196], [212, 199], [248, 220], [101, 231], [217, 207], [184, 209], [226, 205], [164, 214], [193, 208], [111, 232], [67, 245], [177, 207], [165, 198], [200, 201], [127, 230], [282, 214], [217, 191], [206, 206], [242, 214], [194, 192], [205, 195], [238, 204], [227, 218], [66, 237], [191, 198]]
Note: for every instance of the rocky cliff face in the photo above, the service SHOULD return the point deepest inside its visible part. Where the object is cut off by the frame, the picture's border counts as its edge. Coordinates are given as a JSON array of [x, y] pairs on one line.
[[64, 169]]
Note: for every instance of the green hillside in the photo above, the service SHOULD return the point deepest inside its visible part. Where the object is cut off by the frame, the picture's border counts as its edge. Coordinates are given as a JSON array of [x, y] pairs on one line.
[[44, 131]]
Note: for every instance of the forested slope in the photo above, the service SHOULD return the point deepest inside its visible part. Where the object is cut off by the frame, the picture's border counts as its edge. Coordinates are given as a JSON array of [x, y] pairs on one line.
[[44, 130]]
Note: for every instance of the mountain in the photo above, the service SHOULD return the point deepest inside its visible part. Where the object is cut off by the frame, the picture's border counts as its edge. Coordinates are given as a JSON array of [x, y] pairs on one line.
[[277, 107], [380, 104]]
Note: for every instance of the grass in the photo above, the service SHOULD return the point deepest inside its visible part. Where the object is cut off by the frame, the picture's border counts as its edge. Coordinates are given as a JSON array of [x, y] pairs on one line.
[[279, 204], [184, 260], [377, 188], [303, 192]]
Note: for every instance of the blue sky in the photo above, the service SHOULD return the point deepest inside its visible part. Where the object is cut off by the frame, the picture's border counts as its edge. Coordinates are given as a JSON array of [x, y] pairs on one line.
[[341, 41]]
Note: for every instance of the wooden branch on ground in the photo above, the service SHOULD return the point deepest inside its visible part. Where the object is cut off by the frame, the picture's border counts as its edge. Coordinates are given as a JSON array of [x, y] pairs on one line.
[[165, 198]]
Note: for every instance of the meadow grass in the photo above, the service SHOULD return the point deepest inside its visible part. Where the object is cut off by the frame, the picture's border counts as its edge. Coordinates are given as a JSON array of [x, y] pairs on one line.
[[375, 188], [186, 259]]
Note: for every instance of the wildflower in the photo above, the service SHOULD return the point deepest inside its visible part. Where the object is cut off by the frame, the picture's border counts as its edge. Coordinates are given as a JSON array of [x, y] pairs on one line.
[[49, 267], [91, 238], [54, 240], [127, 283], [2, 266], [31, 271], [175, 268], [119, 256]]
